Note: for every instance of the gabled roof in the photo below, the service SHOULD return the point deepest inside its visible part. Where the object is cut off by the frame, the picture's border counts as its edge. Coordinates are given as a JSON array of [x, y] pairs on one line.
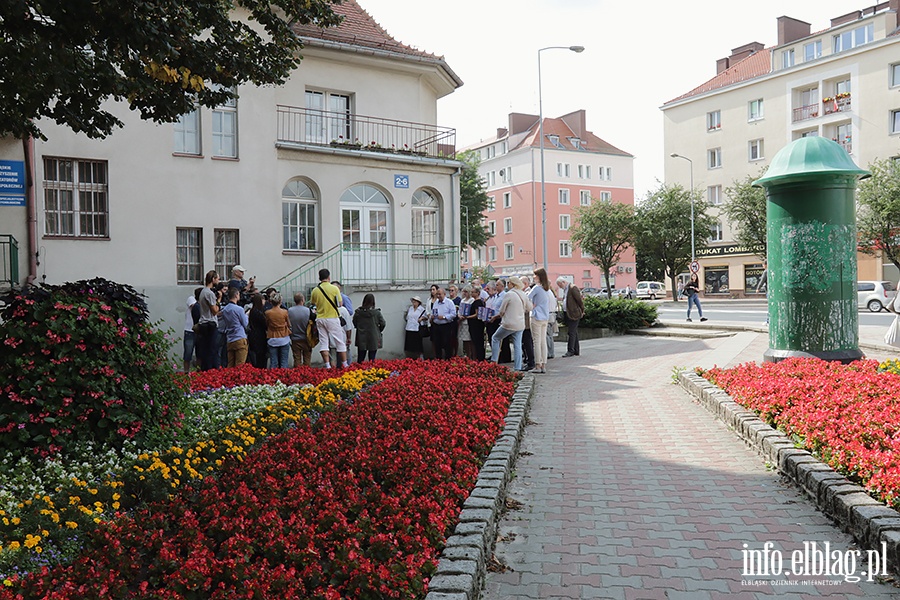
[[359, 29], [558, 127], [755, 65]]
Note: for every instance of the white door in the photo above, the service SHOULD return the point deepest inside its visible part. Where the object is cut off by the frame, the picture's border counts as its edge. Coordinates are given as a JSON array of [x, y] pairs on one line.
[[365, 232]]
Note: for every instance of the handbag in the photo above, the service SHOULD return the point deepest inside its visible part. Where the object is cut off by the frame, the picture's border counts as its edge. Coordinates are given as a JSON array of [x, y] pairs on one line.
[[892, 335], [343, 320]]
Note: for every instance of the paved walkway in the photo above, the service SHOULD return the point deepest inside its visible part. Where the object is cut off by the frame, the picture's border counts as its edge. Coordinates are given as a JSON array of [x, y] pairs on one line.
[[630, 489]]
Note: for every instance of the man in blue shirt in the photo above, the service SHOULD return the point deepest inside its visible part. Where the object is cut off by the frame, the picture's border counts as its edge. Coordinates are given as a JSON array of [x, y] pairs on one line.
[[346, 302], [235, 320]]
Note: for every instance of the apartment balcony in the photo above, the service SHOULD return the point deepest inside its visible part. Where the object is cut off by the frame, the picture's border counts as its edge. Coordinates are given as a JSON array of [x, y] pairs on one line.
[[839, 103], [803, 113], [846, 143], [360, 133]]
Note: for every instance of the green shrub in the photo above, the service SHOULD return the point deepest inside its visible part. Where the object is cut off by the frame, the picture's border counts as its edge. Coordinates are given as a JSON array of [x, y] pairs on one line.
[[617, 314], [80, 362]]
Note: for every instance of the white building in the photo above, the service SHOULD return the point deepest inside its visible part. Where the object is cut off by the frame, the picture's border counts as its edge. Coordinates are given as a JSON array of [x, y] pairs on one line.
[[344, 167], [842, 82]]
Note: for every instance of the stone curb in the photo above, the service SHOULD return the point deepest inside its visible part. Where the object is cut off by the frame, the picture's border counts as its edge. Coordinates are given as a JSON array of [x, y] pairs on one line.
[[463, 563], [869, 521]]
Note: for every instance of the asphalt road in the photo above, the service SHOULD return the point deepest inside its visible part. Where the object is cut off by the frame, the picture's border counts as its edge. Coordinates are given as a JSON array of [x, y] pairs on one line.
[[747, 311]]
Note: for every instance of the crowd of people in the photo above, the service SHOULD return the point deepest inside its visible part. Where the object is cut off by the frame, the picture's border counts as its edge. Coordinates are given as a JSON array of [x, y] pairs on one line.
[[230, 324]]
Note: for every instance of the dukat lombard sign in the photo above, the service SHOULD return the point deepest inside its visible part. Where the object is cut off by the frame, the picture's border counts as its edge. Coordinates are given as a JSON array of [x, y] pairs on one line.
[[729, 250]]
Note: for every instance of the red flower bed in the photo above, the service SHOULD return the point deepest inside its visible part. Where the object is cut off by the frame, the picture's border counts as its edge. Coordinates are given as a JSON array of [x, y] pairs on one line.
[[355, 506], [847, 414]]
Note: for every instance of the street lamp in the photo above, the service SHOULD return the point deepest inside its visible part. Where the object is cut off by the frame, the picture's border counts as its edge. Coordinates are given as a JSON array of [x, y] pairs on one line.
[[541, 121], [468, 247], [693, 253]]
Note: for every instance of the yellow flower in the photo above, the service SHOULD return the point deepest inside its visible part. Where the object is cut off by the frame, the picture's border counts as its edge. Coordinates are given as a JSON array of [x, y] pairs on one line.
[[71, 524]]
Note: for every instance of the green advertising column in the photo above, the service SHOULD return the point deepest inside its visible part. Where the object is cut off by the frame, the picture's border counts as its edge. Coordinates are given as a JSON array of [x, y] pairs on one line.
[[811, 253]]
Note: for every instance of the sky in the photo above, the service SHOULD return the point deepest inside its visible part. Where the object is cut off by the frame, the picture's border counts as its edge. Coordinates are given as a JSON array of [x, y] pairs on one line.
[[638, 55]]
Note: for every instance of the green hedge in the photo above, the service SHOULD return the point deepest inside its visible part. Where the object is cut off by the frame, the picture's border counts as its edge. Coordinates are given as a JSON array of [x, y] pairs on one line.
[[617, 314]]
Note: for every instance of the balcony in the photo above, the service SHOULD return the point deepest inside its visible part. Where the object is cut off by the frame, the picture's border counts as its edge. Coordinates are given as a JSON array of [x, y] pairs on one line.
[[846, 143], [840, 103], [802, 113], [313, 127]]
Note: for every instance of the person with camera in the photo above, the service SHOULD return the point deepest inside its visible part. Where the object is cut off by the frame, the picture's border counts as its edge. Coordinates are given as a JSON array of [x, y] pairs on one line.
[[207, 327], [245, 287]]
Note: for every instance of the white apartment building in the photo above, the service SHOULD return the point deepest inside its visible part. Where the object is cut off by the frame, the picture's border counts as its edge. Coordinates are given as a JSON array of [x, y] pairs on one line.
[[842, 82], [579, 168], [342, 167]]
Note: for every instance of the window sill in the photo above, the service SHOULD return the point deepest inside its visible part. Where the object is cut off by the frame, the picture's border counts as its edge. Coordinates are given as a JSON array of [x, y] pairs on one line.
[[289, 252], [226, 158], [186, 155], [757, 119], [756, 159], [95, 238]]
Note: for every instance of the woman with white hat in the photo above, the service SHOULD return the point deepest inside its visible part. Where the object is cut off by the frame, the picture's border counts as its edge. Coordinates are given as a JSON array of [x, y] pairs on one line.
[[415, 318], [512, 323]]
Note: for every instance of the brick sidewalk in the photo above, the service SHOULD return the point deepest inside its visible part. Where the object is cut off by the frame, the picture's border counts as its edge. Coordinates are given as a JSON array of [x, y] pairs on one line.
[[632, 490]]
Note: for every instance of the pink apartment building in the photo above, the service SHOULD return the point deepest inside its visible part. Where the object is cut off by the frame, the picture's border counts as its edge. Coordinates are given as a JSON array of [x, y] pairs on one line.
[[579, 169]]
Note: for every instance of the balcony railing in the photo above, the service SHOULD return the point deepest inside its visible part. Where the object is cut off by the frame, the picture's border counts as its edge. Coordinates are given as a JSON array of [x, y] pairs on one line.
[[9, 260], [846, 144], [802, 113], [358, 132], [375, 264], [836, 104]]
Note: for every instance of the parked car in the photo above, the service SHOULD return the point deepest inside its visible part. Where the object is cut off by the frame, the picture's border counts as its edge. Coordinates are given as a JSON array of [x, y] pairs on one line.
[[650, 289], [875, 295], [591, 291]]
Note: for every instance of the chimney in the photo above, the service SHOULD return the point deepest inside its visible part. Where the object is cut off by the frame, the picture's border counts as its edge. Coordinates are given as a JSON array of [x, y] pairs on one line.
[[850, 16], [791, 30], [501, 132], [721, 65], [741, 52], [519, 122], [577, 122]]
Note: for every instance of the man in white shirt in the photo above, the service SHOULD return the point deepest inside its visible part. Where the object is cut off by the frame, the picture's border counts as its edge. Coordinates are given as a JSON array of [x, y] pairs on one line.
[[443, 317]]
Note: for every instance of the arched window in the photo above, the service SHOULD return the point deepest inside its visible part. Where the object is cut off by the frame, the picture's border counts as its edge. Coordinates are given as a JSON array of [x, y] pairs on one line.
[[298, 216], [426, 210]]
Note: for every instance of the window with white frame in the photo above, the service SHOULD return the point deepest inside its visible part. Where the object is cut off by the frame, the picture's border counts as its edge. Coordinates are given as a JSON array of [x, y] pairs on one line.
[[506, 175], [787, 58], [565, 249], [895, 121], [714, 158], [755, 109], [895, 75], [507, 225], [508, 251], [227, 251], [189, 255], [491, 204], [489, 152], [714, 120], [714, 195], [580, 171], [586, 254], [853, 38], [298, 216], [715, 234], [492, 253], [76, 198], [563, 196], [812, 50], [426, 218], [328, 117], [507, 200], [490, 178], [585, 196], [609, 173], [225, 130], [492, 228], [565, 222], [755, 150], [187, 133], [587, 171], [606, 197], [504, 147]]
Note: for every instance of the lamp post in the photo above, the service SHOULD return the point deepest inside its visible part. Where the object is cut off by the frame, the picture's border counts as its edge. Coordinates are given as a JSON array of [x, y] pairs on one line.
[[468, 247], [674, 155], [541, 121]]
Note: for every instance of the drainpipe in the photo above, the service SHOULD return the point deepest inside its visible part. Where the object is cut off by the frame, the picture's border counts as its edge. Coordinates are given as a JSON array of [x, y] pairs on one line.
[[31, 210]]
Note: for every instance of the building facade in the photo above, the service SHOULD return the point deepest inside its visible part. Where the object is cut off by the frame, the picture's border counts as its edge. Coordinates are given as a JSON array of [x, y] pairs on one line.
[[841, 82], [342, 167], [579, 169]]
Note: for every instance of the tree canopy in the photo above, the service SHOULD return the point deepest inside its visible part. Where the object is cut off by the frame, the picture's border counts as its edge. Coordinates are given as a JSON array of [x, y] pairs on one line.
[[472, 197], [605, 230], [745, 209], [878, 216], [62, 60], [663, 229]]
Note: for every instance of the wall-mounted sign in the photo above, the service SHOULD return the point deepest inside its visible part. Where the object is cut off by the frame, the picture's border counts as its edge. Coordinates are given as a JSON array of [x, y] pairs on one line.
[[401, 181], [728, 250], [12, 183]]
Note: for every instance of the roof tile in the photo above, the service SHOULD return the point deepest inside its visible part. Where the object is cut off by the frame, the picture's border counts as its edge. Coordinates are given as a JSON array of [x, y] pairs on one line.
[[755, 65]]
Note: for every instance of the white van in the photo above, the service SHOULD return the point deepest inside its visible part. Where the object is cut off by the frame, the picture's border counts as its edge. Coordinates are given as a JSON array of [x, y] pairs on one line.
[[650, 289], [875, 295]]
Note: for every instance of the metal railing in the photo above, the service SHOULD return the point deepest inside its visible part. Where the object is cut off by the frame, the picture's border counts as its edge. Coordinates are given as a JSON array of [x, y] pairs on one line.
[[9, 260], [374, 264], [358, 132], [835, 105], [802, 113]]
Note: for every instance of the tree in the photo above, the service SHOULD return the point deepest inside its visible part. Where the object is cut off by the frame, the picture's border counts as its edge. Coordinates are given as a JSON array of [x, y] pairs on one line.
[[473, 200], [745, 209], [63, 60], [663, 229], [878, 216], [605, 230]]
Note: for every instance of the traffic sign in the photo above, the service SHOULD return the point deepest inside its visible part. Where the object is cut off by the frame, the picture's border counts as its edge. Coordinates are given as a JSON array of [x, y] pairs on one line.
[[695, 267]]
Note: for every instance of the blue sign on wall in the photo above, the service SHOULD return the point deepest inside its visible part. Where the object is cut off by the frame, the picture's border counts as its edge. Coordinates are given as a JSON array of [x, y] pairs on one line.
[[12, 183], [401, 181]]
